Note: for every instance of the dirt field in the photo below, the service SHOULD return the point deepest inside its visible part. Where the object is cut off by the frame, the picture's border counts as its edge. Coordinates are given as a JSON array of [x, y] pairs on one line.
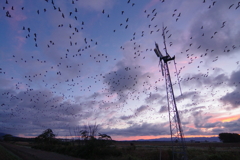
[[27, 153]]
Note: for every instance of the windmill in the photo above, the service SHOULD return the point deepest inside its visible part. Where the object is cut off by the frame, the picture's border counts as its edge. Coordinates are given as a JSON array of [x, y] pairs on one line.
[[176, 131]]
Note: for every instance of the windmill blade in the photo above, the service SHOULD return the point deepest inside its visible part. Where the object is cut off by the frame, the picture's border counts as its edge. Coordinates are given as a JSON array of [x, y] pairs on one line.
[[164, 40], [157, 51]]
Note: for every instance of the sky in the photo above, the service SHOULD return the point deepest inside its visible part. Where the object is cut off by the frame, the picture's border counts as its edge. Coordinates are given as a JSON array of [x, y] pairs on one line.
[[69, 64]]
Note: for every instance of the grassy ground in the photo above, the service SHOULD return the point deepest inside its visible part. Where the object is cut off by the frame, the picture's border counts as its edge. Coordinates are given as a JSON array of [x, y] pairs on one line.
[[7, 155], [148, 151], [162, 150]]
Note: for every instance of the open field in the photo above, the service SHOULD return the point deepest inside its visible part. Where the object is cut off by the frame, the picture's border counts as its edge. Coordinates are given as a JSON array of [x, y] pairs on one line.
[[27, 153], [195, 151], [7, 155], [156, 144], [138, 150]]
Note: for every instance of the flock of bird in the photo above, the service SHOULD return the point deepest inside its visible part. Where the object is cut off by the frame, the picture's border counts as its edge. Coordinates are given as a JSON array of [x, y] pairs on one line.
[[50, 93]]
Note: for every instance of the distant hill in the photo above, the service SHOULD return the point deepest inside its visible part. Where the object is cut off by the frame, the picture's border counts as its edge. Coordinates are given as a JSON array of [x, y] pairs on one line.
[[2, 134], [14, 138], [209, 139]]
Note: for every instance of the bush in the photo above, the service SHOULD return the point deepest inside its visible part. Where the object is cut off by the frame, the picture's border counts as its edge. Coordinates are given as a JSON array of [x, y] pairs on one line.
[[214, 157], [97, 149], [229, 137]]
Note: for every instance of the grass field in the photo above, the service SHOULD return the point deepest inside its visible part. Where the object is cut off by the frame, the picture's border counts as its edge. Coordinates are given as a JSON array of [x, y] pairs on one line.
[[149, 150], [7, 155], [195, 151]]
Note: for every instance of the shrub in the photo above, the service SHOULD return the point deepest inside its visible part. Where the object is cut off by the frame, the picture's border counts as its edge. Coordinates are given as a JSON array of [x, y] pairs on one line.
[[229, 137]]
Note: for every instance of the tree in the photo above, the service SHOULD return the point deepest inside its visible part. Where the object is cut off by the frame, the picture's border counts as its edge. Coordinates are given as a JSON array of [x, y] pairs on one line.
[[84, 134], [104, 137], [229, 137], [89, 132], [89, 135], [8, 137], [47, 136]]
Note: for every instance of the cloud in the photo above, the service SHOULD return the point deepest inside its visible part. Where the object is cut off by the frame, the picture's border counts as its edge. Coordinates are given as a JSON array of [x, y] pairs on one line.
[[145, 129], [141, 109], [212, 125], [137, 112], [153, 97], [163, 109], [36, 110], [126, 117], [95, 95], [193, 131], [223, 127], [235, 79], [207, 30], [95, 5], [200, 119], [186, 95], [232, 98], [200, 80], [123, 78], [232, 126], [204, 127]]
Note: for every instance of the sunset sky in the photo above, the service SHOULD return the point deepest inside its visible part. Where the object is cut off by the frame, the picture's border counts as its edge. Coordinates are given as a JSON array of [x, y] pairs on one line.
[[65, 64]]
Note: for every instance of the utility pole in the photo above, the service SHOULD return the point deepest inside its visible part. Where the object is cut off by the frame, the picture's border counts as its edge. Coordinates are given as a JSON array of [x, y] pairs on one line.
[[176, 131]]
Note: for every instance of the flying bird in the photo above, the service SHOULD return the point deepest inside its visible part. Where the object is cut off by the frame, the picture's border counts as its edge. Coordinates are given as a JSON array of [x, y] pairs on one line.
[[230, 6]]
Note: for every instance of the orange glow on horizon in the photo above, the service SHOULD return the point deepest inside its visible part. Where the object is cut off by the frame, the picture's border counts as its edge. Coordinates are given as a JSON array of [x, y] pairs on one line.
[[195, 136], [121, 138]]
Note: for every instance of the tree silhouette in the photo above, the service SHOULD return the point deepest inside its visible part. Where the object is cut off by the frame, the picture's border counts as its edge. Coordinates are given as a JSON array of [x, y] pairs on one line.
[[229, 137], [8, 137], [89, 132], [90, 137], [47, 136], [104, 137]]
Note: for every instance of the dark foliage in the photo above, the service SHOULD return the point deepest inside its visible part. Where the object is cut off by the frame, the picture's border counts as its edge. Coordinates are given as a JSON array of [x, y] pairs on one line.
[[8, 137], [46, 138], [97, 148], [93, 147], [229, 137]]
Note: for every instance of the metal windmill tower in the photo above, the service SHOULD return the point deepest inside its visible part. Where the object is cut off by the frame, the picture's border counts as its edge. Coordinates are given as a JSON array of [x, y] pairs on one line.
[[177, 136]]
